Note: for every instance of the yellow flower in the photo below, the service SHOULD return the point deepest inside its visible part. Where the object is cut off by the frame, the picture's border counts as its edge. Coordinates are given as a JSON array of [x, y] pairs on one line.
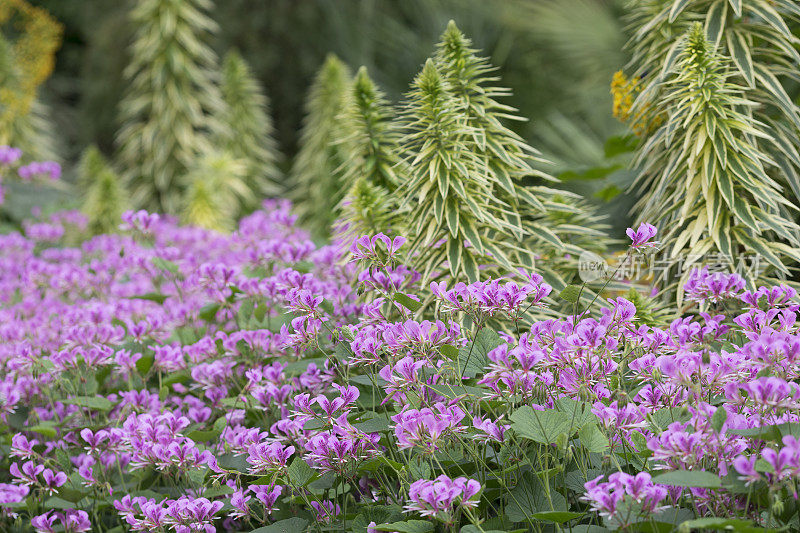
[[29, 59], [624, 92]]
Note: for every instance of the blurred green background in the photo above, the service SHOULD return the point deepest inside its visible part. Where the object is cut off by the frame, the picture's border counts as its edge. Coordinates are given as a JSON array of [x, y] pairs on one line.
[[558, 57]]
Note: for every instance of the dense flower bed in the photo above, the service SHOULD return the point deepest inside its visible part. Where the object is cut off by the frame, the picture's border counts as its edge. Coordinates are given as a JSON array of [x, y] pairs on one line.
[[175, 379]]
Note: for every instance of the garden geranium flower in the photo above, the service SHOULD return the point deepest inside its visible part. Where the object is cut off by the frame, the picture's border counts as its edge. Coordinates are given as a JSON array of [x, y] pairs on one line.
[[641, 237], [440, 497]]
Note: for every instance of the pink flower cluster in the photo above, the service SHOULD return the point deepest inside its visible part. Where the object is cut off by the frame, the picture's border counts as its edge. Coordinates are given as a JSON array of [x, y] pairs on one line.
[[608, 498], [442, 496], [174, 379]]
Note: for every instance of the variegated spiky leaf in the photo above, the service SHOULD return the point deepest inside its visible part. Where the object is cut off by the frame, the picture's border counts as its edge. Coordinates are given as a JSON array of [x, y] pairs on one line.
[[105, 196], [172, 102], [764, 61], [703, 175], [216, 187], [552, 224], [315, 180], [247, 128]]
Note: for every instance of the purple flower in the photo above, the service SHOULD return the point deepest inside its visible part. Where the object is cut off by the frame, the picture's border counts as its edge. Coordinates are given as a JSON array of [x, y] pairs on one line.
[[9, 155], [427, 428], [28, 474], [492, 431], [43, 168], [440, 497], [702, 286], [139, 220], [13, 493], [72, 521], [606, 497], [267, 494], [641, 237], [268, 457], [378, 249], [326, 510]]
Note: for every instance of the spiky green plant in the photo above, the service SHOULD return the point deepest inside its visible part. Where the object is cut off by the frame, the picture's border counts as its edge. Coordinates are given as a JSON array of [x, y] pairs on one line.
[[316, 182], [453, 213], [216, 188], [555, 223], [756, 35], [372, 145], [368, 209], [24, 118], [369, 173], [247, 128], [703, 179], [169, 109], [105, 197]]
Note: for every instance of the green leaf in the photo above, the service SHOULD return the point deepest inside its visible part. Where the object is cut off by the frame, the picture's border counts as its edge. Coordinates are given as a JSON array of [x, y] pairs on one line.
[[529, 498], [67, 492], [593, 439], [571, 293], [540, 426], [380, 514], [299, 473], [163, 264], [719, 418], [620, 144], [676, 9], [290, 525], [768, 433], [373, 423], [407, 302], [47, 430], [209, 311], [720, 524], [19, 417], [145, 363], [151, 296], [59, 503], [237, 463], [715, 21], [408, 526], [664, 417], [689, 478], [449, 351], [580, 413], [203, 436], [472, 358], [740, 52], [92, 402], [608, 193], [559, 517], [469, 528]]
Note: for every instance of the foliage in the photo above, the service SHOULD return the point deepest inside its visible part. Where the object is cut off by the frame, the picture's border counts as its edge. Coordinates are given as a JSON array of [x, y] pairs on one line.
[[370, 171], [449, 195], [27, 57], [217, 186], [367, 209], [702, 172], [105, 195], [755, 35], [170, 106], [373, 143], [316, 182], [171, 378], [246, 127], [554, 222]]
